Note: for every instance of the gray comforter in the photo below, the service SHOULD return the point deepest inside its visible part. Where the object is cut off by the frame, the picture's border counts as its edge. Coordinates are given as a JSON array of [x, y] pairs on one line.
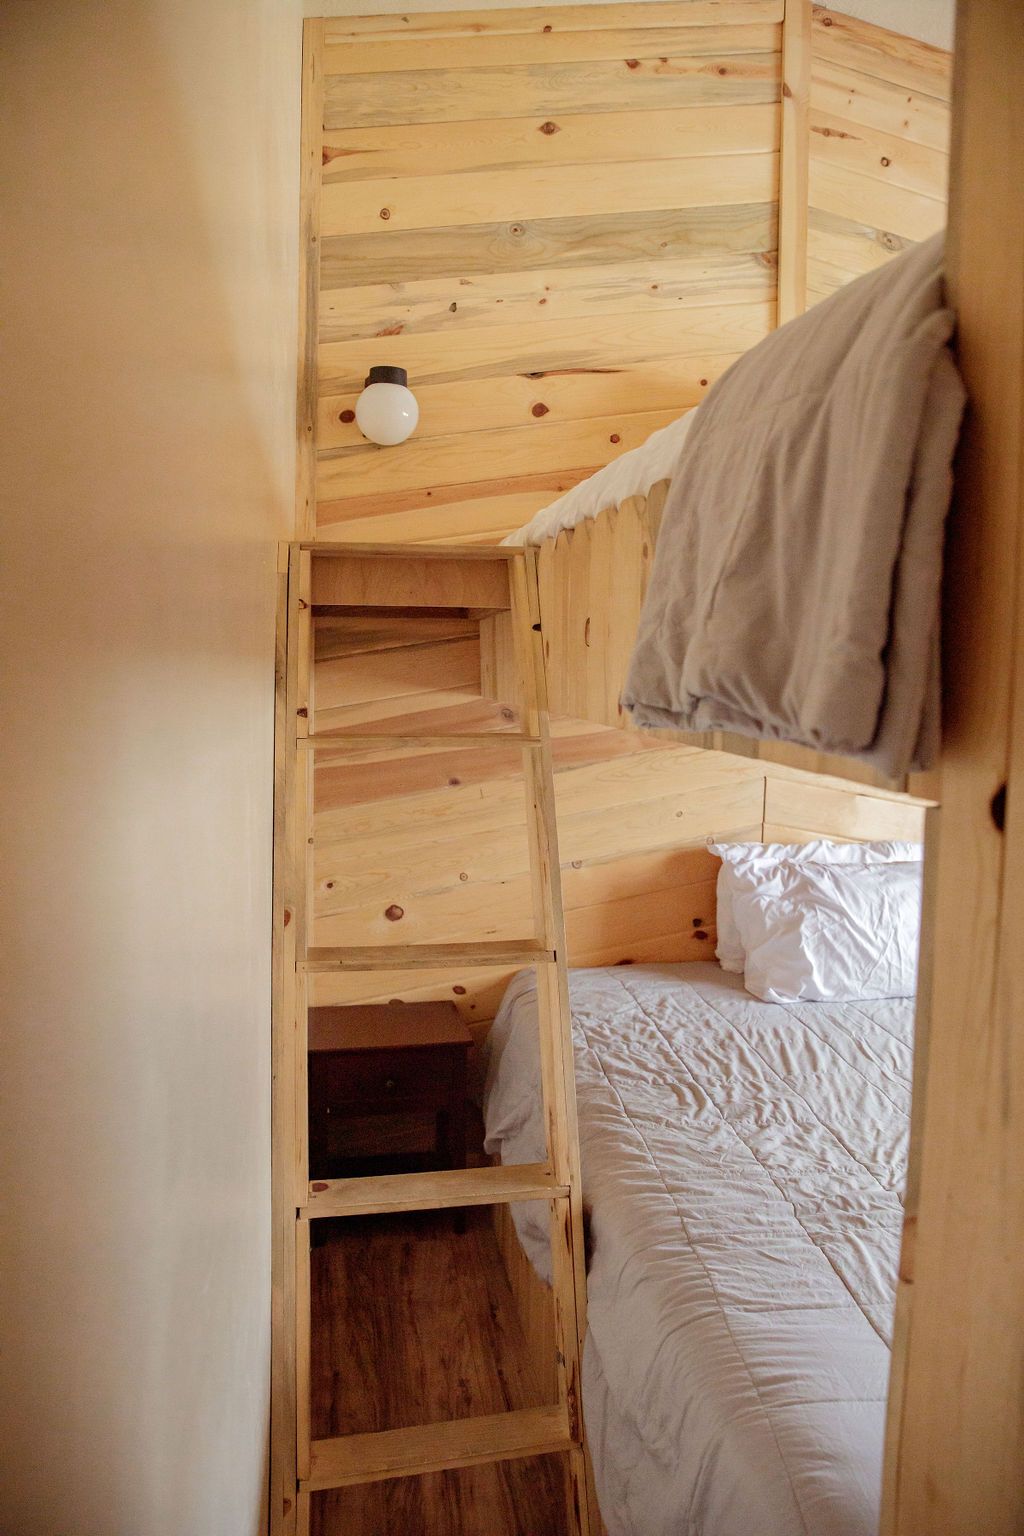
[[796, 581], [742, 1167]]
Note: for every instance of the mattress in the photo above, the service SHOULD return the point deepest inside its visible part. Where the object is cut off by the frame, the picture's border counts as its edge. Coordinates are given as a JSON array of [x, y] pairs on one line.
[[743, 1168]]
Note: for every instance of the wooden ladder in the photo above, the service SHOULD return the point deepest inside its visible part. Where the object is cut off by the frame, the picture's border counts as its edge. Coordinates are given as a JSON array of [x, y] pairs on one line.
[[481, 580]]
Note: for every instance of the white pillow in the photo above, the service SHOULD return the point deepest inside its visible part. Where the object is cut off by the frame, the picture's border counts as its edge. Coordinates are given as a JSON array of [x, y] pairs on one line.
[[829, 932], [767, 858]]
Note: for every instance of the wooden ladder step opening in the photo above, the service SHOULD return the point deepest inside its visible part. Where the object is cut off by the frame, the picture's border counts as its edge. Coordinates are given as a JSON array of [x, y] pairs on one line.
[[357, 578], [411, 957], [345, 1460], [328, 742], [379, 1194]]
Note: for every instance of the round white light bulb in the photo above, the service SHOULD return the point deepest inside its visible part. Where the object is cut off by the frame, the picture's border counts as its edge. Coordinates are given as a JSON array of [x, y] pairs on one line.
[[386, 412]]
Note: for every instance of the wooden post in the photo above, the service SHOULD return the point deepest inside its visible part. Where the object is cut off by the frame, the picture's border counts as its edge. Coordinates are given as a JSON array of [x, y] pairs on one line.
[[794, 159], [568, 1263], [956, 1461], [310, 174]]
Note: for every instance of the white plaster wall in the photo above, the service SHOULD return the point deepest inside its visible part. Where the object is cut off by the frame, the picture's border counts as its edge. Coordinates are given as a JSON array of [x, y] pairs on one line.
[[930, 20], [149, 251]]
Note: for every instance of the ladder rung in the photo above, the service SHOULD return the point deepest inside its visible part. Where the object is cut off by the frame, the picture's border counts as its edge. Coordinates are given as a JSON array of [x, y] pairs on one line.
[[377, 1194], [451, 739], [410, 957], [370, 1458]]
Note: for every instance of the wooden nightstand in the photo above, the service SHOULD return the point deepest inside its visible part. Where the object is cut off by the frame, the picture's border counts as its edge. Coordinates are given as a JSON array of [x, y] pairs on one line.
[[380, 1063]]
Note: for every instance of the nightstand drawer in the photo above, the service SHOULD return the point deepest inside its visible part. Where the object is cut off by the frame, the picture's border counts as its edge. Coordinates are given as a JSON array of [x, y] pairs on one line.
[[384, 1079], [375, 1082]]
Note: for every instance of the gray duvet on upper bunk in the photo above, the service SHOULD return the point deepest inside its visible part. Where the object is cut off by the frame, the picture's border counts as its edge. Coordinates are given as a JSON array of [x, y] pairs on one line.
[[795, 588], [743, 1168]]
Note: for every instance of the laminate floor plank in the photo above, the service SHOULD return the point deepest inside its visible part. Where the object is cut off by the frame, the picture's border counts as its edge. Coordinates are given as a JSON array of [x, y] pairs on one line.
[[414, 1322]]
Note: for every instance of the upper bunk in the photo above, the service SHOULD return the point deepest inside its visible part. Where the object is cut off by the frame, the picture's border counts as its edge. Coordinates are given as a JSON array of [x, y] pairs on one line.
[[645, 193]]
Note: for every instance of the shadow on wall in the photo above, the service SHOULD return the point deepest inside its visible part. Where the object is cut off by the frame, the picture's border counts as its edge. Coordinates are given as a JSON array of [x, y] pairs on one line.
[[149, 242]]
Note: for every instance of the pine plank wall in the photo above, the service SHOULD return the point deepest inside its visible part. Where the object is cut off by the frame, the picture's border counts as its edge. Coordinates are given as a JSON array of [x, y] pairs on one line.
[[879, 147], [564, 223]]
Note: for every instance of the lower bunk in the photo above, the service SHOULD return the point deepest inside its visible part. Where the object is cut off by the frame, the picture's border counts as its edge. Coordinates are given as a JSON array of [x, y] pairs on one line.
[[743, 1171]]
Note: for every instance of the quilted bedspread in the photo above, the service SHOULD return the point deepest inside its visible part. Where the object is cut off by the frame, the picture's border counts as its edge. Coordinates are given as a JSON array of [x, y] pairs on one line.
[[743, 1166]]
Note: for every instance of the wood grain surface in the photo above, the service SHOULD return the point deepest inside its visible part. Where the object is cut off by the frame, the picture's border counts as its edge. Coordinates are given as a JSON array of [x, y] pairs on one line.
[[577, 203], [879, 147]]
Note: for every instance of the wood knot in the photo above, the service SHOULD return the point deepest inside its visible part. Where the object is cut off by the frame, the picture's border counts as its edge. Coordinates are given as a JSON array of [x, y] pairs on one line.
[[615, 438], [318, 1186], [632, 63], [452, 308], [703, 383], [586, 632], [885, 160], [549, 128], [700, 934], [394, 913], [459, 991], [546, 28], [463, 875], [347, 416], [540, 409], [997, 808], [907, 1247], [385, 213]]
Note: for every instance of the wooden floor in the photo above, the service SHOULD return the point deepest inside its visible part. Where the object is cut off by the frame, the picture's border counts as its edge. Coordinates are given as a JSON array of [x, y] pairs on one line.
[[414, 1322]]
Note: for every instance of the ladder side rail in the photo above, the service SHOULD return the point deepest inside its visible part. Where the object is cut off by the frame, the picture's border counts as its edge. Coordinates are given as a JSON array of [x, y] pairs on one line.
[[559, 1080], [284, 1410], [555, 1028], [301, 856]]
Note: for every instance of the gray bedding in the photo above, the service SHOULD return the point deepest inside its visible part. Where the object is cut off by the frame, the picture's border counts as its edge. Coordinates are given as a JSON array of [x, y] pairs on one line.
[[795, 587], [743, 1166]]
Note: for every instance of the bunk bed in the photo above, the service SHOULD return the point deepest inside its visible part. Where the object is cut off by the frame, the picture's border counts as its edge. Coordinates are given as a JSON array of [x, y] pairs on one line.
[[743, 1161], [953, 1402]]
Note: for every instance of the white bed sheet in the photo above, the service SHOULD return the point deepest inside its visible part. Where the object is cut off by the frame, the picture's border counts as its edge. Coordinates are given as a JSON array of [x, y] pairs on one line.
[[631, 474], [743, 1168]]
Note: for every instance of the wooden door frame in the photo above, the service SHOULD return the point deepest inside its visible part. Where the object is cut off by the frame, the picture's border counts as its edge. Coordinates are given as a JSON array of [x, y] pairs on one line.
[[955, 1444]]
